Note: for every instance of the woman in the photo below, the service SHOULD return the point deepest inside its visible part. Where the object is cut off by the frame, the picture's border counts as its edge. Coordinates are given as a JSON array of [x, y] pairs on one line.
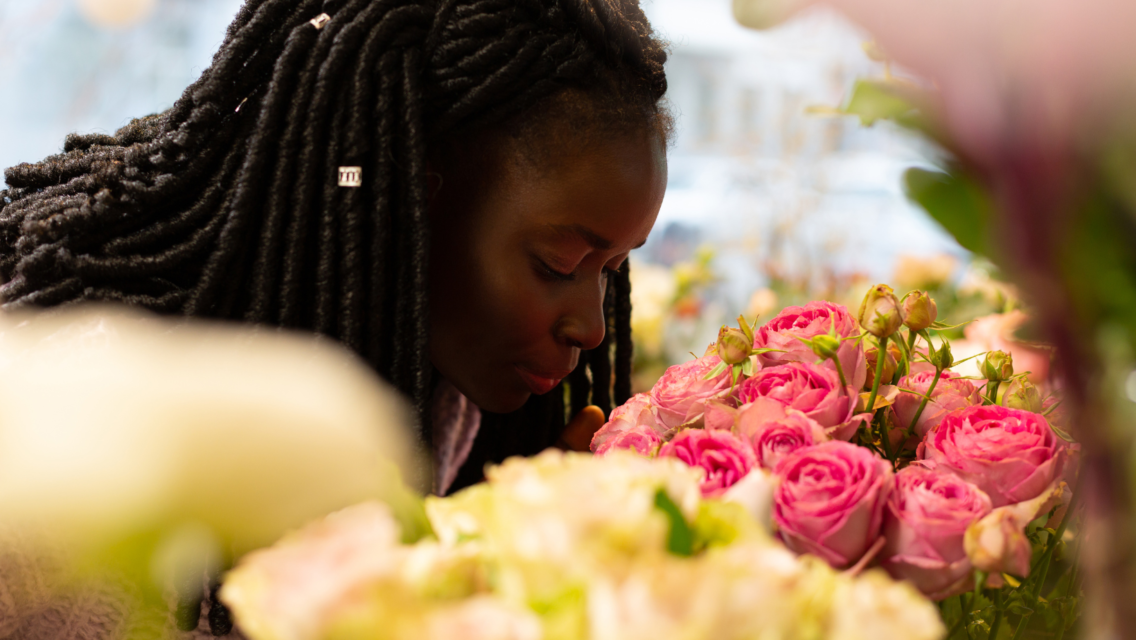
[[230, 204], [448, 187]]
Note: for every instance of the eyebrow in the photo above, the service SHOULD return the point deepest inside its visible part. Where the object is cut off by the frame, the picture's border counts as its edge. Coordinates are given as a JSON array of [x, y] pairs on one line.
[[594, 240]]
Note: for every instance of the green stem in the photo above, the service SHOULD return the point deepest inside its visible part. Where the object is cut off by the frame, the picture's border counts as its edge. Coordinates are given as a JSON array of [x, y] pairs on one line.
[[964, 613], [881, 360], [997, 615], [923, 403], [992, 391], [885, 438], [840, 372], [911, 338]]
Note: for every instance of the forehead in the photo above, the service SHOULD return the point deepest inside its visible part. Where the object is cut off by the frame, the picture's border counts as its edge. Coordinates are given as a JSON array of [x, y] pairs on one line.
[[605, 193]]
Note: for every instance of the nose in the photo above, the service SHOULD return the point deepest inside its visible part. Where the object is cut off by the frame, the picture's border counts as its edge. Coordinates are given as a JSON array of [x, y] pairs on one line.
[[583, 324]]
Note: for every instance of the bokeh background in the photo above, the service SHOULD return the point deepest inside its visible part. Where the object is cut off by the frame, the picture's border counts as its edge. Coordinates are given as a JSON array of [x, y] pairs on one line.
[[772, 199]]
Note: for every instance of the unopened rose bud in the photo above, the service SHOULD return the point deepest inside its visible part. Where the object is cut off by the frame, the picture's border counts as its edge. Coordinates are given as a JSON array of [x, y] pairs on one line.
[[733, 346], [942, 357], [1022, 394], [825, 346], [919, 310], [998, 366], [997, 543], [891, 364], [880, 313]]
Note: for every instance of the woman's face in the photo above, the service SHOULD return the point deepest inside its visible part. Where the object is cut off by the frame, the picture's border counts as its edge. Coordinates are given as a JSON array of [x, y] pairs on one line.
[[520, 256]]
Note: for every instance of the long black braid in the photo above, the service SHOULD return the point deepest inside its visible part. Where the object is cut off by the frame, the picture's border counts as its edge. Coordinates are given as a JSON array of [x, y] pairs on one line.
[[228, 206]]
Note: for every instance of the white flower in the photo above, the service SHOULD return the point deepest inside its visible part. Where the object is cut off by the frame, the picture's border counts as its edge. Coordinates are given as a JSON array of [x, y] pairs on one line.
[[875, 607]]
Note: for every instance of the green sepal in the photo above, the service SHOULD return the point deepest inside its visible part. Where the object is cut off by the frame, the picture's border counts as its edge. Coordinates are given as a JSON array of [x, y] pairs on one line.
[[747, 367], [716, 371]]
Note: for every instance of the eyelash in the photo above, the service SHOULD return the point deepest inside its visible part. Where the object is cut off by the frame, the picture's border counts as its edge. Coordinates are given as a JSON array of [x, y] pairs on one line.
[[566, 277]]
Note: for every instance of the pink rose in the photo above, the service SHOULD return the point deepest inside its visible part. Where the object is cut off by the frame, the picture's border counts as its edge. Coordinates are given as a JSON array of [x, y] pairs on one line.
[[951, 394], [1012, 455], [680, 396], [642, 440], [925, 522], [830, 500], [807, 322], [635, 415], [775, 430], [810, 389], [724, 457]]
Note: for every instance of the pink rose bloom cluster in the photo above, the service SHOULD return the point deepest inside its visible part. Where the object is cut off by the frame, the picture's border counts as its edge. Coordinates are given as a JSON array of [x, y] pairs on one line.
[[932, 523]]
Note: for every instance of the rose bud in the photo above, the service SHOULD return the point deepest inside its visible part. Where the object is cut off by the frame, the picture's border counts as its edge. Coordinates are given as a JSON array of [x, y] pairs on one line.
[[919, 310], [825, 346], [997, 543], [998, 366], [880, 313], [1022, 394], [733, 346], [890, 365], [942, 357]]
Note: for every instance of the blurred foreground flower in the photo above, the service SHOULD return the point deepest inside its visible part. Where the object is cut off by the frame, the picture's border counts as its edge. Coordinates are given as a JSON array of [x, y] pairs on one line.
[[160, 451], [565, 547]]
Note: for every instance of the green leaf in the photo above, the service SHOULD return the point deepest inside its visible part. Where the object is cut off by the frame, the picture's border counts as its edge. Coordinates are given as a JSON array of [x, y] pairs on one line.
[[680, 539], [747, 367], [956, 203], [1060, 433]]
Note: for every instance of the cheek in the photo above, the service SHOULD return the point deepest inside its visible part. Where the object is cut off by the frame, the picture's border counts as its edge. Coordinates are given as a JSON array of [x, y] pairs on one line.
[[518, 307]]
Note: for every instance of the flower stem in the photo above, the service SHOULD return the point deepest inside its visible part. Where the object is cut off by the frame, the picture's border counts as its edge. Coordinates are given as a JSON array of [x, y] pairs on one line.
[[911, 338], [992, 391], [997, 615], [840, 372], [881, 360], [923, 403]]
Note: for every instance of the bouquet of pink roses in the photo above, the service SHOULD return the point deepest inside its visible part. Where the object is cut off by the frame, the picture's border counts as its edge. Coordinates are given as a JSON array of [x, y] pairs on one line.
[[880, 454]]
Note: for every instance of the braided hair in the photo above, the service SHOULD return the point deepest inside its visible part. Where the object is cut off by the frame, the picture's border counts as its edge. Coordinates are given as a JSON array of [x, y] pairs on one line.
[[228, 206]]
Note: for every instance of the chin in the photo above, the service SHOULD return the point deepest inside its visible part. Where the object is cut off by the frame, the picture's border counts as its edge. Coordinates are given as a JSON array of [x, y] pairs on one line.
[[500, 402]]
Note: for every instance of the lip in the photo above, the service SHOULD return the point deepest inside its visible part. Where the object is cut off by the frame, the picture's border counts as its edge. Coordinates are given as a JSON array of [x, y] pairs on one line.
[[540, 383]]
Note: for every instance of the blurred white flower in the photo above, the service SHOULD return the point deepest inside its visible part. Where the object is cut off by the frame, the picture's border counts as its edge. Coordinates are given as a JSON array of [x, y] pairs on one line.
[[874, 606], [115, 425]]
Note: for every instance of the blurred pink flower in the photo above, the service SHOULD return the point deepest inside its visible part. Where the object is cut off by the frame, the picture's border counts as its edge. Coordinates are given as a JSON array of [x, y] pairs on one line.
[[636, 415], [1042, 72], [680, 396], [995, 332]]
